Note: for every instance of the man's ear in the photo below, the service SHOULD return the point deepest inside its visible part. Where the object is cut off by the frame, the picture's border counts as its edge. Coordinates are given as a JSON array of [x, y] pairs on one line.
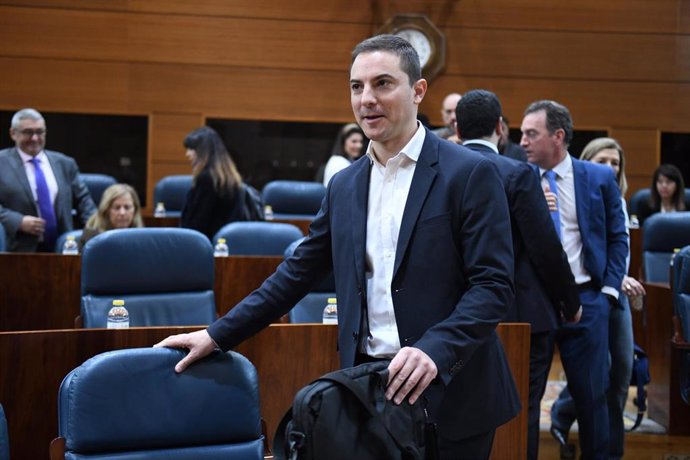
[[499, 127], [419, 87]]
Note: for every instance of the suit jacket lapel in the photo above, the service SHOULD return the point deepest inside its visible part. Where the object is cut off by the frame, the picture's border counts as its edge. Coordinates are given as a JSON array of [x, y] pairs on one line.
[[581, 179], [359, 215], [19, 171], [422, 180]]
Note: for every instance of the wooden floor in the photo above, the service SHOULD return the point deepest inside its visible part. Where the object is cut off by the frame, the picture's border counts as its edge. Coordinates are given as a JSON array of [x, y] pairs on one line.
[[638, 446]]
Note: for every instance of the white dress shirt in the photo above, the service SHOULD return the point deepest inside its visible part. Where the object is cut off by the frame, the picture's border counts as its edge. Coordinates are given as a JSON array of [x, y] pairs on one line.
[[570, 229], [47, 172], [389, 186]]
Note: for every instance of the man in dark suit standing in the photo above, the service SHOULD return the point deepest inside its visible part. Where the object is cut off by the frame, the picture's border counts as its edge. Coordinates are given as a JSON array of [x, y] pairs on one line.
[[545, 290], [587, 214], [417, 233], [38, 188]]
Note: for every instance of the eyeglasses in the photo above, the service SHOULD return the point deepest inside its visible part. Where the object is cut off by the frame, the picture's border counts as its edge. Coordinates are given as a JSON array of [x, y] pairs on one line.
[[32, 132]]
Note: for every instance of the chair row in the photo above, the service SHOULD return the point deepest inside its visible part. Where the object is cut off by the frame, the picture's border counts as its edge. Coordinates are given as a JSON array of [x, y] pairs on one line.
[[165, 276], [662, 234], [288, 199]]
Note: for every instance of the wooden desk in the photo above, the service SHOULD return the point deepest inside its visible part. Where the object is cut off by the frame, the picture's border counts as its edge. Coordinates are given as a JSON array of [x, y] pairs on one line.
[[43, 291], [35, 362], [635, 269]]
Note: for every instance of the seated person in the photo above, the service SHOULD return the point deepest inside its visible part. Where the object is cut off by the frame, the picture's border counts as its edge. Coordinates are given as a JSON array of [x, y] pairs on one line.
[[347, 148], [667, 192], [119, 208]]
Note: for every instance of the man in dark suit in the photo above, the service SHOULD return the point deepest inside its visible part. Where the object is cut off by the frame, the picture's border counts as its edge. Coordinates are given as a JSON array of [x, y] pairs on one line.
[[508, 148], [545, 290], [38, 188], [587, 214], [417, 233]]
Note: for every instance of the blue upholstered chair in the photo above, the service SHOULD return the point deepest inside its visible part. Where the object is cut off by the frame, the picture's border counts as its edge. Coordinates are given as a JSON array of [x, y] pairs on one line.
[[3, 239], [661, 234], [4, 437], [130, 404], [639, 202], [258, 238], [60, 242], [681, 306], [164, 275], [172, 192], [293, 199], [97, 183], [310, 308]]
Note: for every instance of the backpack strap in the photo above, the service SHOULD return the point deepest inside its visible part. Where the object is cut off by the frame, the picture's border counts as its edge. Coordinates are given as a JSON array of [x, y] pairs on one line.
[[281, 433]]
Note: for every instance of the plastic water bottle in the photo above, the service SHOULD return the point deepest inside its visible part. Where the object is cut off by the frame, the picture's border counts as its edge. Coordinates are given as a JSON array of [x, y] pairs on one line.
[[160, 210], [268, 212], [70, 248], [330, 313], [118, 316], [221, 249]]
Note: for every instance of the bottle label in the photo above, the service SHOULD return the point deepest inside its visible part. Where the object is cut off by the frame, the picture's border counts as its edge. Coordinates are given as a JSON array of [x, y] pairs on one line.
[[330, 320], [118, 324]]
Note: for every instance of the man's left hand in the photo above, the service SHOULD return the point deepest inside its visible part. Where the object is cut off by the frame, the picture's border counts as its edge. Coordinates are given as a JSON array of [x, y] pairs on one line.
[[410, 372]]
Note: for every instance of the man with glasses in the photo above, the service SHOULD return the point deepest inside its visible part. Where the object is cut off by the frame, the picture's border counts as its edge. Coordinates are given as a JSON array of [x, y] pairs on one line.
[[38, 188]]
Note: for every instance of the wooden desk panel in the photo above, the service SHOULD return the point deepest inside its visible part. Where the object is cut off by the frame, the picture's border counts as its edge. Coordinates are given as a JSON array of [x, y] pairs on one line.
[[35, 362], [43, 291], [39, 291]]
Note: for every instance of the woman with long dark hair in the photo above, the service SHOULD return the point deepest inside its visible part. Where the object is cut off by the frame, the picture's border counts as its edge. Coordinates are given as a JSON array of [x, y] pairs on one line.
[[347, 148], [213, 199]]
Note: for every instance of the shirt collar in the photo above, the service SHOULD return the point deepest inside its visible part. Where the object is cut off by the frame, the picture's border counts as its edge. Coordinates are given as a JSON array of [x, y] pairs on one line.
[[483, 142], [26, 157], [562, 168], [412, 149]]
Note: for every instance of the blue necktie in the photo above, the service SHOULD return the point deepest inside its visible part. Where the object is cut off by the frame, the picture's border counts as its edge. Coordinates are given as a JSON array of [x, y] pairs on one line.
[[555, 215], [44, 204]]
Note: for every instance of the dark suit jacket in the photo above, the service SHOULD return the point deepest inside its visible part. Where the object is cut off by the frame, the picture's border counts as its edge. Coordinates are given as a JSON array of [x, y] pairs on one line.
[[452, 280], [206, 210], [514, 151], [544, 284], [16, 198]]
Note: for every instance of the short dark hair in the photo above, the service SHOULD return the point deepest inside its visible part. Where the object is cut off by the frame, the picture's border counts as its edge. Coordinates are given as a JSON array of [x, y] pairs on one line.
[[557, 117], [477, 114], [409, 59]]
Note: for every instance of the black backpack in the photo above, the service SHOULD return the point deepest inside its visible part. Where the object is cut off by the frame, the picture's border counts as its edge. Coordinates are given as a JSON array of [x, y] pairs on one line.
[[252, 203], [344, 415]]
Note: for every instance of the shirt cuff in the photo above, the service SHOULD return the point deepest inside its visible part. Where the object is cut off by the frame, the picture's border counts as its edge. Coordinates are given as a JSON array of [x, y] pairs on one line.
[[610, 291]]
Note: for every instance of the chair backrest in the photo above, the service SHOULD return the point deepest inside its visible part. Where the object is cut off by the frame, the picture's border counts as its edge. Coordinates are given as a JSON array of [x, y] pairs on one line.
[[310, 308], [172, 192], [4, 436], [639, 202], [60, 242], [681, 290], [661, 234], [258, 238], [293, 199], [3, 239], [164, 275], [130, 404], [97, 183]]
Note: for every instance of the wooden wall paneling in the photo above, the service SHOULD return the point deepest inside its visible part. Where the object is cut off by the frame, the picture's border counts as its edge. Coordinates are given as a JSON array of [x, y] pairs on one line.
[[322, 45], [166, 134], [632, 15], [238, 276], [642, 155]]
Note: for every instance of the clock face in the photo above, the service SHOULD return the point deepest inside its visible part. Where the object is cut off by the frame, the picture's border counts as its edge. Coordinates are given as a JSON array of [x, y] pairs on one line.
[[419, 41]]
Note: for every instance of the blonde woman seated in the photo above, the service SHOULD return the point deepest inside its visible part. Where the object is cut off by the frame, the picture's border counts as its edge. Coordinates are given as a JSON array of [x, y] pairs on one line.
[[119, 208]]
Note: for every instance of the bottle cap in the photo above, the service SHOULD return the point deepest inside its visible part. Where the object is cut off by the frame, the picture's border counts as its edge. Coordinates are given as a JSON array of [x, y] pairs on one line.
[[221, 240], [268, 207], [118, 303], [70, 237], [675, 250], [332, 300]]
